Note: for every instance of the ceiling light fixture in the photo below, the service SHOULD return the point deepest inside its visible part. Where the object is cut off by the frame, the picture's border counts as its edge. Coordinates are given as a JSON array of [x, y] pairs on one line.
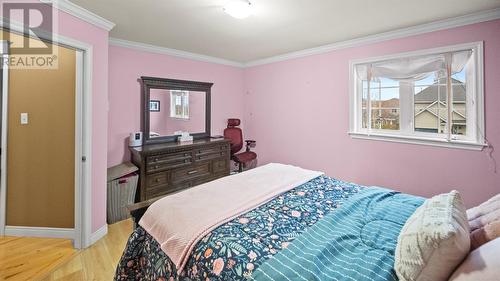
[[239, 9]]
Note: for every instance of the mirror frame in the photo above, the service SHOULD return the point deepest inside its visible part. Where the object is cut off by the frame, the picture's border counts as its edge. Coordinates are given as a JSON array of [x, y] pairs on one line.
[[149, 83]]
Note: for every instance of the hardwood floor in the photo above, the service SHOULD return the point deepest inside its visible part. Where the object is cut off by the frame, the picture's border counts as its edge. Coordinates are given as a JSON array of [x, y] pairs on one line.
[[23, 258], [55, 259]]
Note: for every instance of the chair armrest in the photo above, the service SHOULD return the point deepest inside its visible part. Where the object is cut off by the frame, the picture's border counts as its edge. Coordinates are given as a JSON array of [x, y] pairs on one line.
[[250, 143]]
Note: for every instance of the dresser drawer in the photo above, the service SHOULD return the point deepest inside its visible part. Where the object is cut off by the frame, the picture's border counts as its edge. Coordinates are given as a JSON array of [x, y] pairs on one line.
[[169, 157], [158, 179], [220, 165], [163, 162], [210, 149], [156, 167], [186, 174], [155, 191], [210, 156], [164, 190]]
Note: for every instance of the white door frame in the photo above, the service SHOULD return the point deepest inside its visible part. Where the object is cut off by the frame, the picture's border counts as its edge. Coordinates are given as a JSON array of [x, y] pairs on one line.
[[3, 161], [83, 142]]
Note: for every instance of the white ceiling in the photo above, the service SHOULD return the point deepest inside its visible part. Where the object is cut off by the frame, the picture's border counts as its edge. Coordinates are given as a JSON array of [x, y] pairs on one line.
[[276, 27]]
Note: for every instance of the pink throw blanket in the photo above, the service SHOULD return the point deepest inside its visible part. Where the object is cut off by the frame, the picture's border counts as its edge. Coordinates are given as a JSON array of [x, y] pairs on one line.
[[180, 220]]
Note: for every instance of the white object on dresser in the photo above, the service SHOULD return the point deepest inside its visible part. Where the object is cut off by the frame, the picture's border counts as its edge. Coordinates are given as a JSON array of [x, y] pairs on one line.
[[135, 139], [184, 137]]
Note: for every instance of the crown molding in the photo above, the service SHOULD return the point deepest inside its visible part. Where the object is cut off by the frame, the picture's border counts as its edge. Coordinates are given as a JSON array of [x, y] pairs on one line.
[[171, 52], [19, 27], [390, 35], [81, 13]]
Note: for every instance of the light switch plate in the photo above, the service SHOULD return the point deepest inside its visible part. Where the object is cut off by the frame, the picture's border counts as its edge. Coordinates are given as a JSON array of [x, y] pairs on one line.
[[24, 118]]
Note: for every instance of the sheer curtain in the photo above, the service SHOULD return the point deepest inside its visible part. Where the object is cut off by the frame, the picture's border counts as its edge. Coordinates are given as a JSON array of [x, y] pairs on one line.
[[414, 68]]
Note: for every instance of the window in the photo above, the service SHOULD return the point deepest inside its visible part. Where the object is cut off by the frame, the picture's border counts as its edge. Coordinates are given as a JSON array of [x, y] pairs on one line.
[[179, 104], [432, 97]]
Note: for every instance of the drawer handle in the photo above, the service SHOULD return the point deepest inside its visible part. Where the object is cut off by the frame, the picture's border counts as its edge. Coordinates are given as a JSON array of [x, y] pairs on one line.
[[157, 180], [156, 166], [156, 159], [192, 172]]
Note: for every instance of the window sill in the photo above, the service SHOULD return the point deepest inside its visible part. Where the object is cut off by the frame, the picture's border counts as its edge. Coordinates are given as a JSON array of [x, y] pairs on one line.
[[180, 118], [460, 144]]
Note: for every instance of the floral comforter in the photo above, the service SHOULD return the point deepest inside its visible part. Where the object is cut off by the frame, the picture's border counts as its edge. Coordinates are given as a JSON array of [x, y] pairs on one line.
[[235, 249]]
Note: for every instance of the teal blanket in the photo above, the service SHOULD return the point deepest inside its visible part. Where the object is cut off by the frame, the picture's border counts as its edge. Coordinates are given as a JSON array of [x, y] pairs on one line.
[[355, 242]]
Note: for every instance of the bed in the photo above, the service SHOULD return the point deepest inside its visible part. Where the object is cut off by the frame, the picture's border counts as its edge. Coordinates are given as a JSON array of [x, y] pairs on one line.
[[233, 250], [355, 225]]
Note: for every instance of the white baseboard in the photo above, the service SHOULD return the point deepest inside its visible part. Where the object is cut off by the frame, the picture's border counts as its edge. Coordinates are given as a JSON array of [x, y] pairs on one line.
[[51, 232], [100, 233]]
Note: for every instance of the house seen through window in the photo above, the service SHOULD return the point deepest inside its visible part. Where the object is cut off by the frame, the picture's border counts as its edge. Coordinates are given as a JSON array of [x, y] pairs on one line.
[[179, 104], [431, 110], [384, 108]]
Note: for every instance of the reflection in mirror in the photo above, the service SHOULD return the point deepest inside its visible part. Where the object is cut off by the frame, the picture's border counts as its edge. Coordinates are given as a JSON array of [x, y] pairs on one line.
[[171, 111]]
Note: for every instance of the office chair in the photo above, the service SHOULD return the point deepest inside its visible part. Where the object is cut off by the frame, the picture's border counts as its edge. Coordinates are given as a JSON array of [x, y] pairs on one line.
[[235, 135]]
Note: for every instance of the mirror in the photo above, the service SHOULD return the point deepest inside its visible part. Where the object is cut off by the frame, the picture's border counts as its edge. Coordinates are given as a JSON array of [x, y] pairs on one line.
[[171, 106], [171, 111]]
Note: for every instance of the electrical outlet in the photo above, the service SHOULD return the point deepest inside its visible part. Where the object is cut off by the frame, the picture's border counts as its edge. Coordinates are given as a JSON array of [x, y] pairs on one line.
[[24, 118]]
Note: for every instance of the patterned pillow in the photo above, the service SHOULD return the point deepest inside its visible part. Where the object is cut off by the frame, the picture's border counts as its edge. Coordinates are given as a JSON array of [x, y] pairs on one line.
[[434, 240]]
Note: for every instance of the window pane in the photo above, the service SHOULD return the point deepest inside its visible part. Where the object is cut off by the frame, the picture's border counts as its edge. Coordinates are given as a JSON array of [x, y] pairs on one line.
[[364, 104], [365, 117], [459, 116], [385, 109]]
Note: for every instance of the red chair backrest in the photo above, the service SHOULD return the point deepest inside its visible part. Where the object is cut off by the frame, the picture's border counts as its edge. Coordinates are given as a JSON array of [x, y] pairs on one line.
[[235, 135]]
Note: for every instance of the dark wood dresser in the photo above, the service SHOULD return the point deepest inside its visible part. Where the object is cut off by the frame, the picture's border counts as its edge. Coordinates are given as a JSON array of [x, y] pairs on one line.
[[170, 167]]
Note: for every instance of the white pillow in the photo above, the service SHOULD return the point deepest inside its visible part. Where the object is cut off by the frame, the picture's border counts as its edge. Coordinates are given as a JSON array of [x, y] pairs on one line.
[[434, 240]]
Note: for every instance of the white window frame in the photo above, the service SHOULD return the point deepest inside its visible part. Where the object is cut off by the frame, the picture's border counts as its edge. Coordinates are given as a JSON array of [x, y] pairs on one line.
[[406, 133], [185, 113]]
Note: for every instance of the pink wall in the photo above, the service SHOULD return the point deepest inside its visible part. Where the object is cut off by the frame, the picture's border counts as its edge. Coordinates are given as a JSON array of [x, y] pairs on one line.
[[82, 31], [298, 111], [157, 119], [126, 66]]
